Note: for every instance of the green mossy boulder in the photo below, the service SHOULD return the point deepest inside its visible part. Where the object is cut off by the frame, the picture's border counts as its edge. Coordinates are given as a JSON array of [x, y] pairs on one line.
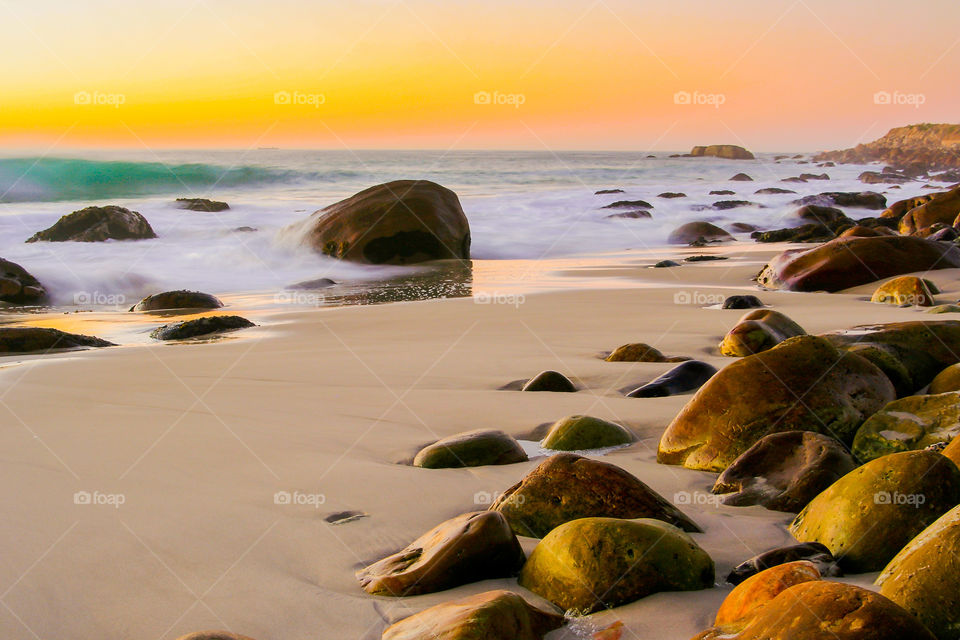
[[924, 578], [907, 424], [758, 331], [868, 515], [579, 433], [802, 384], [471, 449], [592, 563]]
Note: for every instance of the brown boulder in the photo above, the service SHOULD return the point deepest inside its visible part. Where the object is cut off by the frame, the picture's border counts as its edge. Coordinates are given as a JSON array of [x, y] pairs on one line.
[[727, 151], [34, 339], [693, 231], [942, 207], [763, 587], [96, 224], [758, 331], [640, 352], [17, 286], [905, 291], [181, 299]]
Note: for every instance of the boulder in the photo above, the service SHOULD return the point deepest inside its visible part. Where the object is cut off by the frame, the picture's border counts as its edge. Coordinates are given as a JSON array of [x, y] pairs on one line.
[[687, 376], [631, 215], [669, 195], [944, 308], [946, 380], [640, 352], [861, 231], [491, 614], [666, 263], [819, 214], [566, 487], [549, 381], [942, 207], [17, 286], [181, 299], [471, 449], [580, 433], [741, 177], [784, 471], [868, 515], [603, 192], [96, 224], [812, 552], [905, 291], [862, 199], [629, 204], [723, 205], [592, 563], [908, 424], [202, 204], [399, 222], [876, 177], [469, 548], [814, 176], [757, 331], [742, 302], [924, 578], [311, 285], [850, 262], [742, 227], [763, 587], [952, 451], [33, 339], [769, 191], [897, 210], [693, 231], [724, 192], [802, 384], [200, 327], [822, 610], [727, 151], [213, 635]]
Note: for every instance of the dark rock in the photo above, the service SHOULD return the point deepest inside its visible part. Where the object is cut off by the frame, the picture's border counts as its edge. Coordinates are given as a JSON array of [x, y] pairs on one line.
[[941, 207], [692, 231], [549, 381], [863, 199], [32, 339], [582, 433], [772, 191], [181, 299], [96, 224], [723, 205], [607, 191], [666, 263], [821, 215], [631, 215], [672, 194], [742, 302], [311, 285], [640, 352], [947, 234], [722, 192], [742, 227], [244, 230], [17, 286], [202, 204], [813, 552], [742, 177], [623, 204], [687, 376], [727, 151], [872, 177], [704, 258], [814, 176], [471, 449], [200, 327]]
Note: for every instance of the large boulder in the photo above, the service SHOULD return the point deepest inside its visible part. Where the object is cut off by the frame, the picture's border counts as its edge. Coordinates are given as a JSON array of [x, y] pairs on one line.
[[908, 424], [579, 433], [946, 380], [784, 471], [822, 610], [32, 339], [200, 327], [862, 199], [684, 377], [898, 209], [868, 515], [96, 224], [17, 286], [566, 487], [181, 299], [727, 151], [924, 578], [802, 384], [694, 231], [202, 204], [941, 207], [905, 291], [763, 587], [400, 222], [592, 563], [952, 451], [492, 614], [471, 449], [850, 262], [758, 331], [469, 548]]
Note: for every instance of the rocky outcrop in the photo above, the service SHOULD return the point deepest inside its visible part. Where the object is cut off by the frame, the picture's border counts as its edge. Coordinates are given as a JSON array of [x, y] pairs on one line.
[[17, 286], [727, 151], [96, 224], [34, 339], [942, 208], [931, 146], [202, 204], [200, 327]]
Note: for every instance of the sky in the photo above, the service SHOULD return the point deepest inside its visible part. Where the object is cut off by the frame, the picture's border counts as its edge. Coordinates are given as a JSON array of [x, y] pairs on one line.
[[771, 75]]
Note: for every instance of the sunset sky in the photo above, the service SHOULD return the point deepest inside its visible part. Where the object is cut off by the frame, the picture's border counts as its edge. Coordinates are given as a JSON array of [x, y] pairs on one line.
[[406, 73]]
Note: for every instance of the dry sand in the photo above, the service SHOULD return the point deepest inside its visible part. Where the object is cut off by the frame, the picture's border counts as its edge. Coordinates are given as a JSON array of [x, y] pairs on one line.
[[197, 439]]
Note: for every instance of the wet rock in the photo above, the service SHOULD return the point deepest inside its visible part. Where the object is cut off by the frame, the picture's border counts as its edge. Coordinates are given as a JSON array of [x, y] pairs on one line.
[[471, 449], [757, 395], [946, 380], [181, 299], [863, 199], [625, 204], [817, 610], [704, 258], [96, 224], [772, 191], [640, 352], [728, 151], [200, 327], [213, 635], [905, 291], [400, 222], [850, 262], [742, 227], [741, 177], [898, 209], [947, 234], [723, 205], [861, 231], [580, 433], [202, 204], [630, 215], [758, 331], [692, 231], [871, 513], [17, 286], [492, 614], [344, 517], [812, 552], [763, 587], [604, 192], [942, 207], [814, 176], [812, 232], [33, 339], [566, 487], [784, 471], [666, 263], [908, 424], [672, 194], [685, 377], [469, 548], [742, 302], [821, 215], [592, 563], [549, 381], [924, 578], [944, 308], [311, 285], [723, 192], [244, 229], [875, 177]]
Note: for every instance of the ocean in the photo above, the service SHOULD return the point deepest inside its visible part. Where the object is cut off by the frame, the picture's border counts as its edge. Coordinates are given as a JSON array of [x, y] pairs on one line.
[[522, 206]]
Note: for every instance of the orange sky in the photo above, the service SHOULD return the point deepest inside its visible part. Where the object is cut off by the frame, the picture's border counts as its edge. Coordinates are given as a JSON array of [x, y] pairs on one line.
[[599, 74]]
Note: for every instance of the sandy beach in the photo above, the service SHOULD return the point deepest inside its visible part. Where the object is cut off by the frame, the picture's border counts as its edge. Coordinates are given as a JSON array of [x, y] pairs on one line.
[[210, 469]]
